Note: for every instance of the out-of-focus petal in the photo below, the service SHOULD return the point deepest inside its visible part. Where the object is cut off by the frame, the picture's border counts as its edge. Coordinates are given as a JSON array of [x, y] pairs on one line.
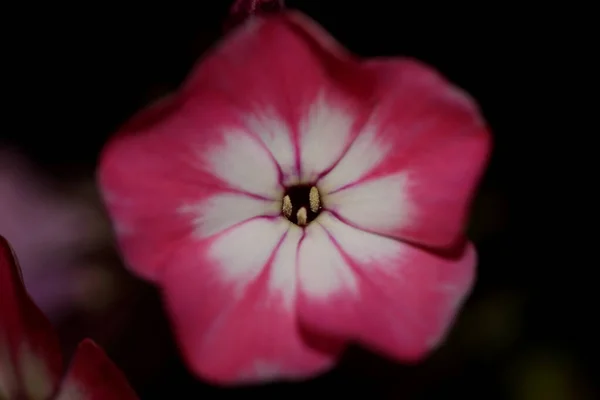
[[412, 171], [387, 295], [232, 302], [93, 376], [9, 385], [64, 226], [32, 346]]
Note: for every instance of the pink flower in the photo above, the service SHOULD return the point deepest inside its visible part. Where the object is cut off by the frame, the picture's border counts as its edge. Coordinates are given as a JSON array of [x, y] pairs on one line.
[[30, 356], [291, 198]]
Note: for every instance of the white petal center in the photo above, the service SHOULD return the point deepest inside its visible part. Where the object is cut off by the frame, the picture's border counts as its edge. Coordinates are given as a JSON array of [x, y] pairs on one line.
[[379, 205], [244, 251], [322, 270], [276, 135], [225, 210], [364, 154], [282, 279], [325, 134], [243, 163]]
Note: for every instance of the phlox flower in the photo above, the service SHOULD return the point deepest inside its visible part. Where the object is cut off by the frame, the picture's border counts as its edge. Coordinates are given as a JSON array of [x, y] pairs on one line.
[[31, 365], [291, 198]]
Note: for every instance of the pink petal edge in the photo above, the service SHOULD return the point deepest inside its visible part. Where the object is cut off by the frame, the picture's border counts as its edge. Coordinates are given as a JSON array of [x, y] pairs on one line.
[[93, 376]]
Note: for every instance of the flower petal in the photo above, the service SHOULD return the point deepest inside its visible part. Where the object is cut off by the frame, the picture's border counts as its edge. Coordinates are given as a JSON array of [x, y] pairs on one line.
[[232, 302], [296, 87], [326, 130], [381, 205], [93, 376], [28, 341], [417, 160], [193, 171], [9, 384], [387, 295]]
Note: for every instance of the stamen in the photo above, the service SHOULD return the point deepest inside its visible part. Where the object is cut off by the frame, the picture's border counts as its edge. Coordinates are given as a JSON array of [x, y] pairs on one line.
[[301, 204], [286, 208], [314, 199], [302, 216]]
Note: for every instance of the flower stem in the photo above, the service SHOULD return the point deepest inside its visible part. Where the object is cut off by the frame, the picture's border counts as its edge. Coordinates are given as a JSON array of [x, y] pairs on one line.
[[244, 9]]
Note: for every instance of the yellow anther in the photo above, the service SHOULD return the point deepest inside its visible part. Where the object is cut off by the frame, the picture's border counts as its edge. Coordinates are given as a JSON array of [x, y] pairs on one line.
[[314, 199], [286, 208], [301, 216]]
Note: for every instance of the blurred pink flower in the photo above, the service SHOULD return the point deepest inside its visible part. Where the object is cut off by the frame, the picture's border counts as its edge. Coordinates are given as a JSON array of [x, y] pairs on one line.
[[49, 229], [291, 198], [31, 365]]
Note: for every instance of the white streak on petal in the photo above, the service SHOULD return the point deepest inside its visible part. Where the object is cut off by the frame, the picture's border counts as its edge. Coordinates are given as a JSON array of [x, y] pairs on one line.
[[244, 164], [243, 252], [283, 270], [275, 134], [8, 378], [36, 378], [225, 210], [72, 391], [324, 134], [262, 371], [322, 271], [380, 205], [362, 247], [364, 155]]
